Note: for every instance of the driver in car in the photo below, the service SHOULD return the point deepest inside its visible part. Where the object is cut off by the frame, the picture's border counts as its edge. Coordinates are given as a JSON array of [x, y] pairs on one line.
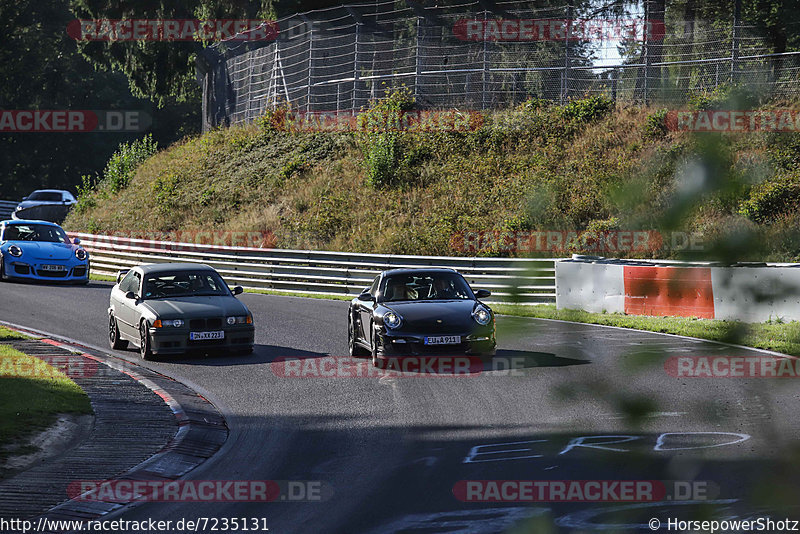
[[442, 289], [397, 290]]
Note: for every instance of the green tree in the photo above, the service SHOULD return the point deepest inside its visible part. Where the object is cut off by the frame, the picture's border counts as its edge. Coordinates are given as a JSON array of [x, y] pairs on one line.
[[159, 70], [43, 70]]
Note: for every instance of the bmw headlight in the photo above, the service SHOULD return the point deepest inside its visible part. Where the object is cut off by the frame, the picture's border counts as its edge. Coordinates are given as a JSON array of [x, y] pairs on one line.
[[15, 251], [392, 320], [482, 315], [240, 319], [177, 323], [81, 254]]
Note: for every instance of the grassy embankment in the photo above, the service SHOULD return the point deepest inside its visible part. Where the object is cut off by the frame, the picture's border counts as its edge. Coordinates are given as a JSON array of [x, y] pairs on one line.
[[585, 165], [32, 395]]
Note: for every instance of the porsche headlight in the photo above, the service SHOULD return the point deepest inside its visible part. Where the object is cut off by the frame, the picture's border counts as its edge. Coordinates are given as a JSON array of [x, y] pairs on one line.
[[15, 251], [482, 315], [177, 323], [392, 320], [81, 254], [240, 319]]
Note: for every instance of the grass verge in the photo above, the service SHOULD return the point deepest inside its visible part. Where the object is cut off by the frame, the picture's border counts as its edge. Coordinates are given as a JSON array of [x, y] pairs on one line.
[[779, 337], [7, 334], [32, 395]]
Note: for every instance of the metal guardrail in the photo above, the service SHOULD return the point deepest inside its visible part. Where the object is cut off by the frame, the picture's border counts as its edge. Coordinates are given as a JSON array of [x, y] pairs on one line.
[[7, 208], [527, 281]]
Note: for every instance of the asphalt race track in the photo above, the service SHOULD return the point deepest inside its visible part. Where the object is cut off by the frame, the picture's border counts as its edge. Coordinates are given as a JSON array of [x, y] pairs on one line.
[[389, 451]]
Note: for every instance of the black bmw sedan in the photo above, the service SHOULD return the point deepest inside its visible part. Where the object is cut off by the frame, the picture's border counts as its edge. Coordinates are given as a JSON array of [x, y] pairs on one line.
[[410, 312]]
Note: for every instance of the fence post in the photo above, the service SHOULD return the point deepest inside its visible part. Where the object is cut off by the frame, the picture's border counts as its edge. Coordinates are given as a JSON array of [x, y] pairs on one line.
[[646, 49], [614, 78], [355, 66], [310, 65], [565, 92], [485, 84], [418, 59], [737, 12]]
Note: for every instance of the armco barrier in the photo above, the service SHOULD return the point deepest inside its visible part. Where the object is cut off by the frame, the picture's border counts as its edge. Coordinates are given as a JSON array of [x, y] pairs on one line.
[[325, 273], [743, 292], [7, 208]]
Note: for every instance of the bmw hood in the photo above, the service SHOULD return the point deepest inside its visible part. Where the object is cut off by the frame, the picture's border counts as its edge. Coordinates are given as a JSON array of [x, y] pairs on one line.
[[40, 250], [196, 307], [453, 314]]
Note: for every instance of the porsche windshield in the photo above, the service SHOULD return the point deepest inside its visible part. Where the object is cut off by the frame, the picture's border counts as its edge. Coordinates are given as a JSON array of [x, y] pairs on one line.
[[184, 284], [35, 232], [426, 286]]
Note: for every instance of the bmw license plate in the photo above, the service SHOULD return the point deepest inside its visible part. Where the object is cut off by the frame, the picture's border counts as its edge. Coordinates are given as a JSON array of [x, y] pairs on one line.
[[202, 336], [443, 340], [52, 268]]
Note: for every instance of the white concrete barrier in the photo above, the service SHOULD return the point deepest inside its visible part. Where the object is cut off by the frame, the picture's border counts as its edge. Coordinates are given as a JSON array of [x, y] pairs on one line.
[[642, 287], [594, 287]]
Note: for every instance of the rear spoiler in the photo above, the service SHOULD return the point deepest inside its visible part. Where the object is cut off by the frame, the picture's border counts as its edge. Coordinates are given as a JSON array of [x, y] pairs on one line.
[[121, 274]]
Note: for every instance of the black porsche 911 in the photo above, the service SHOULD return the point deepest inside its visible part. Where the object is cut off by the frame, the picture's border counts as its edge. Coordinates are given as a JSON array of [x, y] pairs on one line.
[[410, 312]]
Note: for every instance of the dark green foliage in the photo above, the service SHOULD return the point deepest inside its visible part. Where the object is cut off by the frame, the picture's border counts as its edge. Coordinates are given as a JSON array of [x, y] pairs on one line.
[[656, 126], [770, 200]]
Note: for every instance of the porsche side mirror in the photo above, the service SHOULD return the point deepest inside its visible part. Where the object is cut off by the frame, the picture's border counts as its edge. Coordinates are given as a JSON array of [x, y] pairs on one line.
[[76, 241], [238, 290], [482, 293], [366, 297], [130, 295]]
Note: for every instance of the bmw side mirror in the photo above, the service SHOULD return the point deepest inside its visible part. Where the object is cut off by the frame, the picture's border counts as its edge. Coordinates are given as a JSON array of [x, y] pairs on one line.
[[238, 290], [130, 295], [482, 293], [76, 241], [366, 297]]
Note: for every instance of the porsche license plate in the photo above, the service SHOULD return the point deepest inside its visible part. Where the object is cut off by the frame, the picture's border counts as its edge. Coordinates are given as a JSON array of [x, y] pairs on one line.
[[52, 268], [202, 336], [443, 340]]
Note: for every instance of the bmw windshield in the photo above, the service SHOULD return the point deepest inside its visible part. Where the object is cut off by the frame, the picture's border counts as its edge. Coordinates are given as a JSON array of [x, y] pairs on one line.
[[184, 284]]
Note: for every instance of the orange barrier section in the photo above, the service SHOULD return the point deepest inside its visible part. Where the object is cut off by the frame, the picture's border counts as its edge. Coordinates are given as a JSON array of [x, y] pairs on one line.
[[681, 291]]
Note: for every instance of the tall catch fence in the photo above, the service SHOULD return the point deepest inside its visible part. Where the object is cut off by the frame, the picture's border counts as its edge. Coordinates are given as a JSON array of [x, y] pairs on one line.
[[481, 55]]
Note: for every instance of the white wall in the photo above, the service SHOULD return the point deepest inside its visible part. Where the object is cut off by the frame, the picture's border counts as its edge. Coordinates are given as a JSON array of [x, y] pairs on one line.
[[592, 287]]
